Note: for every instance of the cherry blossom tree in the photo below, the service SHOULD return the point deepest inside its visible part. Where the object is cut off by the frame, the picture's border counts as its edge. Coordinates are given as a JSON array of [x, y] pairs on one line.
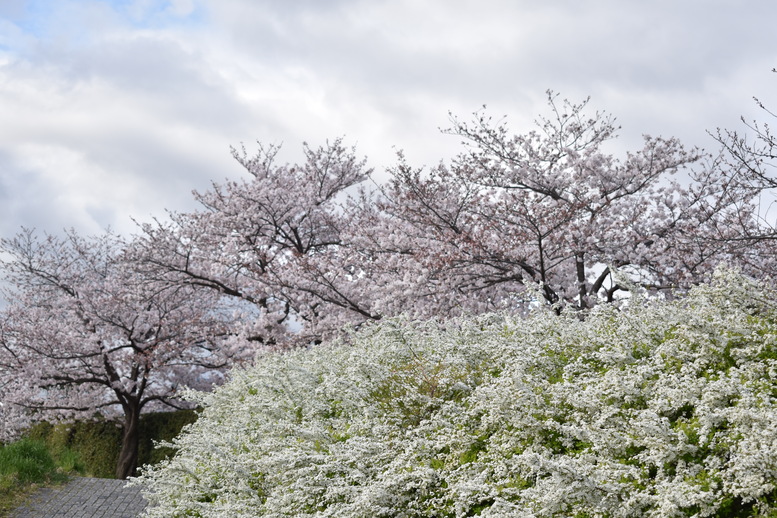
[[272, 245], [752, 153], [85, 332], [295, 253], [553, 207], [301, 251], [757, 155]]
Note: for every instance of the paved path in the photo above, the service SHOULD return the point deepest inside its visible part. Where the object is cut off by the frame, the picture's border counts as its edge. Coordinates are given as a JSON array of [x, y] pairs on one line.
[[84, 498]]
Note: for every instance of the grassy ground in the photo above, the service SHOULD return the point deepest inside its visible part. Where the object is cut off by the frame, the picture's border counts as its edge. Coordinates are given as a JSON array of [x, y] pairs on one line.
[[26, 465]]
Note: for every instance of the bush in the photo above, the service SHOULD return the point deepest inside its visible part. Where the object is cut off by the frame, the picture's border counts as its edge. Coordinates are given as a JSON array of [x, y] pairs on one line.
[[161, 427], [92, 447], [96, 442], [654, 409]]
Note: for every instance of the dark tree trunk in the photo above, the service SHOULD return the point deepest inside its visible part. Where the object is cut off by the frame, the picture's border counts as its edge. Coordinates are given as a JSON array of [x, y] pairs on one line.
[[128, 457], [582, 288]]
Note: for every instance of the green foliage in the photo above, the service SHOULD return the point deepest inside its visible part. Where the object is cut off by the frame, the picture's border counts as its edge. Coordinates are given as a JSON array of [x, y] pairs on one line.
[[24, 465], [70, 461], [92, 447], [26, 461], [97, 443], [161, 427]]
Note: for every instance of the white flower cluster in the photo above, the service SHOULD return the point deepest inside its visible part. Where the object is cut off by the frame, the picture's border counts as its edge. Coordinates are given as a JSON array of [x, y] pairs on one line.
[[656, 409]]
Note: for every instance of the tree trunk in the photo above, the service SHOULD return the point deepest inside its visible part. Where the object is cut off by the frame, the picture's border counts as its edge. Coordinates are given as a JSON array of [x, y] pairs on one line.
[[128, 457], [582, 288]]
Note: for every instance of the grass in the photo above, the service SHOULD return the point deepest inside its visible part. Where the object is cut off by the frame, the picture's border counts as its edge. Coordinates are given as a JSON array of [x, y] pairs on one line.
[[26, 465]]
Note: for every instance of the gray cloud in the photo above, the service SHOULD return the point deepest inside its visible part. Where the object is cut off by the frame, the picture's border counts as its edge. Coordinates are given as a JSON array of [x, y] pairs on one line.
[[115, 110]]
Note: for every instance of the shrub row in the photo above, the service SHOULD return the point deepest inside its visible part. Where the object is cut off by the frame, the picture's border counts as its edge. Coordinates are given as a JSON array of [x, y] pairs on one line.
[[97, 442], [652, 409]]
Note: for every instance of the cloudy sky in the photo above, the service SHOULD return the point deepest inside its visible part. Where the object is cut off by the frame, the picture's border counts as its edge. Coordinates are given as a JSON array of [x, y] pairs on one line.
[[113, 110]]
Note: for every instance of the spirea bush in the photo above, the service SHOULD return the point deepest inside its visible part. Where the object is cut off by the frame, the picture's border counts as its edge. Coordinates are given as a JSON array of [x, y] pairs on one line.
[[652, 409]]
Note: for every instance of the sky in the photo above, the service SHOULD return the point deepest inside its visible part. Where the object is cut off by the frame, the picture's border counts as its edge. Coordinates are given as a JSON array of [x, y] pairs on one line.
[[112, 112]]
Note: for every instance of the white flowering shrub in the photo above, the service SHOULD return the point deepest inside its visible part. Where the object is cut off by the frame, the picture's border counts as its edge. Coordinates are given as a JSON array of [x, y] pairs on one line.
[[655, 409]]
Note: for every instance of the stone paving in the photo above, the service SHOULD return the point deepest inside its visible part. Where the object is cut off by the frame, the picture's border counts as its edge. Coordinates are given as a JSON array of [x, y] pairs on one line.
[[84, 498]]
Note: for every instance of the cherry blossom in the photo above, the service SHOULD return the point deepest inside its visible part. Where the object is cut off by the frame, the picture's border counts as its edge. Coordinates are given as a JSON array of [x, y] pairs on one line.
[[272, 243], [84, 332], [551, 206], [302, 250]]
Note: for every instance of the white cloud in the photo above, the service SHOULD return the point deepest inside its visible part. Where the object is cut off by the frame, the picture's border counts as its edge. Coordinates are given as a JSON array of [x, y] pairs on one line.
[[119, 109]]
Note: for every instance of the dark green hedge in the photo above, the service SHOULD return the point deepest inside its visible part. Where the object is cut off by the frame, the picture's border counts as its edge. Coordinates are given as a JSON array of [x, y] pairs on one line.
[[97, 442], [161, 426]]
